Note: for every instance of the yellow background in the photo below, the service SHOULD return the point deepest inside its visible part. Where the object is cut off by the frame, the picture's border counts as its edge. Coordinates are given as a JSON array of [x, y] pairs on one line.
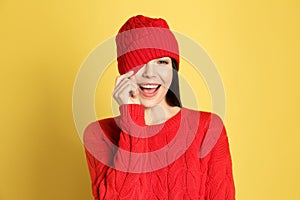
[[254, 44]]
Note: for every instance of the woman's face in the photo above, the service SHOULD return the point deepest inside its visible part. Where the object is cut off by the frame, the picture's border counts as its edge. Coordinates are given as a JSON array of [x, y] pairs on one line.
[[154, 80]]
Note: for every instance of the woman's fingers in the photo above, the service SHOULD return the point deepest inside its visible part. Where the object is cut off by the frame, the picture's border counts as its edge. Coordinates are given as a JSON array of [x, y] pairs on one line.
[[121, 83], [123, 87], [125, 92], [123, 76], [126, 89], [135, 91], [122, 79]]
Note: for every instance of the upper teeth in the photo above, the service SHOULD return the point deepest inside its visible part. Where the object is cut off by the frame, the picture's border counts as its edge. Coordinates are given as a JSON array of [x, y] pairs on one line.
[[149, 86]]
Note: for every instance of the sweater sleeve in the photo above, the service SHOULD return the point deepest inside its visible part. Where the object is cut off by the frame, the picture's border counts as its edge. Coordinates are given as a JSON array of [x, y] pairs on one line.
[[219, 183], [107, 162], [132, 125], [122, 183]]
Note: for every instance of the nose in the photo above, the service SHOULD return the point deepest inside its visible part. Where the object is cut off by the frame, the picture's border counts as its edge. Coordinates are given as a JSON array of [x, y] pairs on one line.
[[149, 71]]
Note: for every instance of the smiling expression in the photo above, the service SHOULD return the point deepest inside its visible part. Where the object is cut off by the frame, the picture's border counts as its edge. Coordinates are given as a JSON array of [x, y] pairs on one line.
[[154, 80]]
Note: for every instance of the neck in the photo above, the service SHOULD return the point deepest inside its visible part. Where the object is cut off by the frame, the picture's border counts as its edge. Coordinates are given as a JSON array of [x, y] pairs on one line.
[[160, 113]]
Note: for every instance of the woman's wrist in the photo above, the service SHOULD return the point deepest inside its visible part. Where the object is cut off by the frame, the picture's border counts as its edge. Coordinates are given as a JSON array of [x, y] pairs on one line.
[[132, 113]]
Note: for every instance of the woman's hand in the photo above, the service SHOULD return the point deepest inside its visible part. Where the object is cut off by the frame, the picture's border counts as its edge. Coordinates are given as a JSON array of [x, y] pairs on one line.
[[126, 89]]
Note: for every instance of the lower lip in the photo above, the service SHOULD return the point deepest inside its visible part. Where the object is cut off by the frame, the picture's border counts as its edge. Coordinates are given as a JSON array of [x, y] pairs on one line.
[[146, 94]]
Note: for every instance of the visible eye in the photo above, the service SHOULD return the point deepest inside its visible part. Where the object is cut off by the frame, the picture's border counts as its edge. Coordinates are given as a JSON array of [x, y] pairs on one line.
[[165, 62]]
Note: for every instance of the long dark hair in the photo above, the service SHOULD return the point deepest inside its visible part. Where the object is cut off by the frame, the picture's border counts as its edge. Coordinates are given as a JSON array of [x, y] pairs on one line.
[[173, 94]]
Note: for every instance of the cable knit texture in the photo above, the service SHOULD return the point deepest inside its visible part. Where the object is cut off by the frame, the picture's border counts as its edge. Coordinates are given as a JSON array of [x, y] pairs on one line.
[[187, 157], [142, 39]]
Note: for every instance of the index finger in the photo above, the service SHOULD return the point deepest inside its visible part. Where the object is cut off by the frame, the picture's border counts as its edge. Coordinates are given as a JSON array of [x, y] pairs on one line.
[[123, 76]]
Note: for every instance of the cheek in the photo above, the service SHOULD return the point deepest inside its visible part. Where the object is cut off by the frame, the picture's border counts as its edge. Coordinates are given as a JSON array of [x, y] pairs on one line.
[[164, 92], [138, 71], [165, 73], [166, 76]]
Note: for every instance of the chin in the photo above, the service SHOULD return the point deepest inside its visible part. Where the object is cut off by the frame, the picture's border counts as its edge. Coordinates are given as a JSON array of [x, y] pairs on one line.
[[149, 103]]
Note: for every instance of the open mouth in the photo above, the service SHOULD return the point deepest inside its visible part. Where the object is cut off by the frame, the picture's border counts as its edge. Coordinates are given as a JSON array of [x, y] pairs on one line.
[[149, 90]]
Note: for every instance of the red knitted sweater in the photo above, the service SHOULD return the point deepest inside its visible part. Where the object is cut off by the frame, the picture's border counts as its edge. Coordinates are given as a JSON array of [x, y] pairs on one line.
[[187, 157]]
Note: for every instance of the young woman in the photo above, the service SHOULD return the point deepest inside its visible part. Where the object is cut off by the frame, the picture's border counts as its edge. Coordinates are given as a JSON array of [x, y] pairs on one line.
[[156, 148]]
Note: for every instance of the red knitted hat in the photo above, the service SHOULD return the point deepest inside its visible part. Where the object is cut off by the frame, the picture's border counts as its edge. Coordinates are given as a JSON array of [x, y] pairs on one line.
[[142, 39]]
